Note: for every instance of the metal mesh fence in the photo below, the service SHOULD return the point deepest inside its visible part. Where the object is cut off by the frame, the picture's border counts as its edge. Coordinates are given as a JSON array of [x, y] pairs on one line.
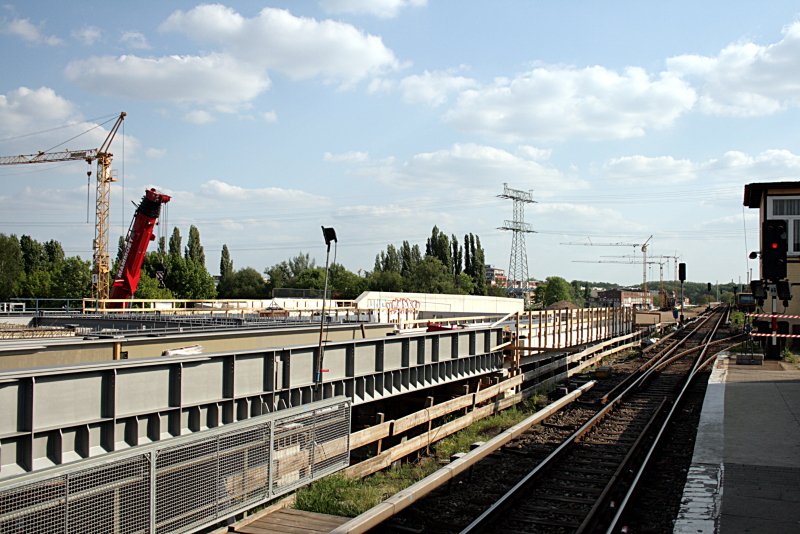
[[184, 483], [308, 446]]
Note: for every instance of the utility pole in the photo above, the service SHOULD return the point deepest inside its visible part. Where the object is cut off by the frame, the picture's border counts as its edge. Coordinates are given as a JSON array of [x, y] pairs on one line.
[[518, 261]]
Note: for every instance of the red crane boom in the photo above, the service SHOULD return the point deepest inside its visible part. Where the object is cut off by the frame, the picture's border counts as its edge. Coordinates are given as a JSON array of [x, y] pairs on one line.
[[139, 236]]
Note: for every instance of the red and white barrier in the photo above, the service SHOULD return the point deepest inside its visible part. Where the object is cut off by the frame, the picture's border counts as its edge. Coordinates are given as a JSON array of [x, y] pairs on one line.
[[775, 315]]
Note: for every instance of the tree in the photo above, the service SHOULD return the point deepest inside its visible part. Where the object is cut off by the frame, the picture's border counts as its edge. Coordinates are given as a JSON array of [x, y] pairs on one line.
[[175, 243], [54, 252], [432, 276], [245, 283], [406, 259], [438, 246], [458, 255], [194, 250], [390, 260], [33, 254], [554, 289], [345, 284], [12, 266], [187, 279], [577, 292], [225, 263], [385, 281], [468, 255], [73, 279], [38, 283], [312, 278], [283, 274], [300, 263], [121, 246], [149, 288], [478, 265]]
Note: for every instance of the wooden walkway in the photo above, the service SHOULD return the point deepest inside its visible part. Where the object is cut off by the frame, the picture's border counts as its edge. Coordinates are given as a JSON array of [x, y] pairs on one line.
[[290, 521]]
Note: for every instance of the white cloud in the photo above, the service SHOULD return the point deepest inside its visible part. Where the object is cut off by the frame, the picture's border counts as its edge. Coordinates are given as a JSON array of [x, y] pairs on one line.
[[469, 167], [225, 191], [198, 116], [134, 40], [557, 102], [24, 110], [433, 88], [746, 79], [394, 211], [155, 153], [270, 117], [37, 119], [662, 170], [580, 217], [172, 78], [26, 30], [532, 152], [379, 8], [769, 165], [733, 167], [352, 156], [88, 35], [299, 47]]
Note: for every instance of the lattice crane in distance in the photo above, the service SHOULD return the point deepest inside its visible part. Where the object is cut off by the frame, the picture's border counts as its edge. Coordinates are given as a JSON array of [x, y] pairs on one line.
[[643, 246], [100, 258]]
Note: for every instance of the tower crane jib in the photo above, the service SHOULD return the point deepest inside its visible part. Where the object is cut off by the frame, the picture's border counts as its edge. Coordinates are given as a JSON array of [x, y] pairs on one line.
[[100, 257]]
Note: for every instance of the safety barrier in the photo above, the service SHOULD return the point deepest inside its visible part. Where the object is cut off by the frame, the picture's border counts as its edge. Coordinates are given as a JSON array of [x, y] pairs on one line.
[[185, 483]]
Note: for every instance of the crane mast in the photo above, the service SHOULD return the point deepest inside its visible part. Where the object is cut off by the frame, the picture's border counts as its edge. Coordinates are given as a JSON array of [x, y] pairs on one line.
[[100, 257], [139, 236]]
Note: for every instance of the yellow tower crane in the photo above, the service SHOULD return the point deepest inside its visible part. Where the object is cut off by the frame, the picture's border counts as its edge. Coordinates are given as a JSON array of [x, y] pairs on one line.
[[100, 257]]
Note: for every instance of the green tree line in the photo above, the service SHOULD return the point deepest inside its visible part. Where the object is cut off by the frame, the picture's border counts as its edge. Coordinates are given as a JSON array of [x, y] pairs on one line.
[[29, 268], [174, 270]]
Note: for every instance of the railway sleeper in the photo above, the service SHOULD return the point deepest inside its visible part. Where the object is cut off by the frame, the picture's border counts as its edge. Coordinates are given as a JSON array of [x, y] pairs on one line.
[[590, 486], [566, 499], [592, 470], [523, 522], [554, 512]]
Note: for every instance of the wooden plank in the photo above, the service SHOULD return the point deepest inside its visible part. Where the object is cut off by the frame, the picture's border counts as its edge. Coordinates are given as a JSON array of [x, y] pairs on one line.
[[250, 529], [423, 416], [282, 519], [283, 503], [370, 435], [389, 456], [328, 517], [492, 391]]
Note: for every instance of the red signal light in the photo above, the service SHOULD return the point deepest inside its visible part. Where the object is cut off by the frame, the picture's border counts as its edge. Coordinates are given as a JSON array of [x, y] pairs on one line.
[[775, 245]]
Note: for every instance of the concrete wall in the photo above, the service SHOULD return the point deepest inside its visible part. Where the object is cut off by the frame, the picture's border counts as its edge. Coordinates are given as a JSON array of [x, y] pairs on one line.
[[406, 306]]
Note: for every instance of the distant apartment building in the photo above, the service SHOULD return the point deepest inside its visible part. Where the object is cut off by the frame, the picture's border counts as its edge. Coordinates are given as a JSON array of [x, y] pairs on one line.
[[625, 298], [496, 277]]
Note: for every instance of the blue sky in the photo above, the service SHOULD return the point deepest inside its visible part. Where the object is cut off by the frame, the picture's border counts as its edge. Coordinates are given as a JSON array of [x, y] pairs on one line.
[[384, 117]]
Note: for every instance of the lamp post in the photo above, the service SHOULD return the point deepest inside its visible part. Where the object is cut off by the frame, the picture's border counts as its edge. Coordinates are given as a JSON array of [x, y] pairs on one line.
[[330, 236]]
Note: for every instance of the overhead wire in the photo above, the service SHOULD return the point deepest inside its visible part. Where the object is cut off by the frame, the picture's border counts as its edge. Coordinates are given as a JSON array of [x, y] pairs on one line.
[[48, 130]]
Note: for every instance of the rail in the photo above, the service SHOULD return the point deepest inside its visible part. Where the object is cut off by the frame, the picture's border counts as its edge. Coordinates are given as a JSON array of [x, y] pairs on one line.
[[590, 497], [700, 363]]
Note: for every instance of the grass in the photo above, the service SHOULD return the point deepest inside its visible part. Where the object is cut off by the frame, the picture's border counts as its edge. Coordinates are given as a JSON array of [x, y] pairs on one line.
[[339, 495], [737, 319], [484, 429]]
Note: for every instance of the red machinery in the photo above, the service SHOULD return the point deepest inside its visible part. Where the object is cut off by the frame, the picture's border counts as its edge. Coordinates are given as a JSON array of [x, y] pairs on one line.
[[139, 236]]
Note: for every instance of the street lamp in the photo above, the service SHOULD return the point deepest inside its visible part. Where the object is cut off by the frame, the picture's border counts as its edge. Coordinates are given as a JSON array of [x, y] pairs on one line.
[[329, 234]]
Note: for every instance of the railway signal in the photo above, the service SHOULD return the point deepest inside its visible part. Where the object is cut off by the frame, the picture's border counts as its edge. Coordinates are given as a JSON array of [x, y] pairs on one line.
[[774, 246]]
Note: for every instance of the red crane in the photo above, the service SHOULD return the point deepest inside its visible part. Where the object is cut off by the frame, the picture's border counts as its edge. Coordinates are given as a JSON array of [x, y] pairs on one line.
[[139, 236]]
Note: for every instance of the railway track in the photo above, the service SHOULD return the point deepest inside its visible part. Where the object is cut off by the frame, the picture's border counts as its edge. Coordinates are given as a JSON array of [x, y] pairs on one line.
[[577, 470], [580, 485]]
